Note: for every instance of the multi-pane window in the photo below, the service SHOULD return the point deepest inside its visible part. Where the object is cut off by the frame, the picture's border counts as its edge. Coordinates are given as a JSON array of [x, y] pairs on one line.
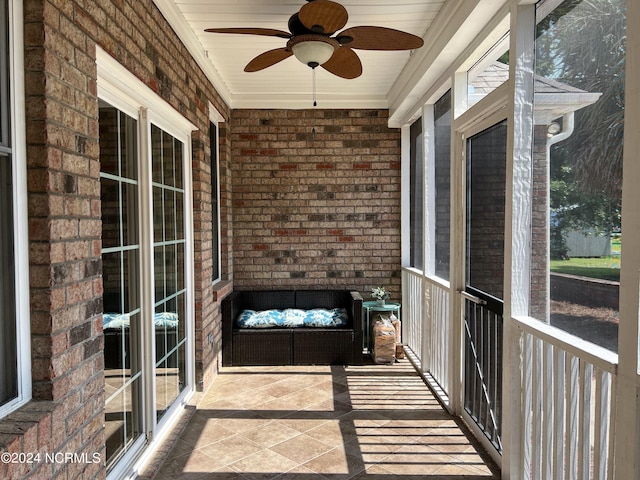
[[8, 357], [417, 196], [147, 263], [120, 275], [14, 364], [169, 243], [215, 202], [577, 166]]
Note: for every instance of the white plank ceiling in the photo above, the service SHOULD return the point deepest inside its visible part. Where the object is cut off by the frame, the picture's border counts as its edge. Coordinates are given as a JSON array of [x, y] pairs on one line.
[[288, 84]]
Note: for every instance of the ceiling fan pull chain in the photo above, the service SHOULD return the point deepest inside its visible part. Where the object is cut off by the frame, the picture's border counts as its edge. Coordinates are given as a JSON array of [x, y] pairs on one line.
[[315, 103]]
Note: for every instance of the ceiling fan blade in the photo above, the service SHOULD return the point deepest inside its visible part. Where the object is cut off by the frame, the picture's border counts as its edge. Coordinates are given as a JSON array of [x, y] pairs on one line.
[[268, 32], [379, 38], [267, 59], [344, 63], [323, 16]]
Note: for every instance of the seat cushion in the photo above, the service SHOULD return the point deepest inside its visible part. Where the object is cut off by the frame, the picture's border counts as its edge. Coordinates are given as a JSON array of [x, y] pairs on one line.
[[293, 317], [321, 317]]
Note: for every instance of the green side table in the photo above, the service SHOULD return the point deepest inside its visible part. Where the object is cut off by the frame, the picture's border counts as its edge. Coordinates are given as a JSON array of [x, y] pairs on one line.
[[373, 306]]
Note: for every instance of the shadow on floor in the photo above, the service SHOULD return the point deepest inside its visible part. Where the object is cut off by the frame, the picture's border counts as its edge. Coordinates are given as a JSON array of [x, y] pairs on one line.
[[374, 422]]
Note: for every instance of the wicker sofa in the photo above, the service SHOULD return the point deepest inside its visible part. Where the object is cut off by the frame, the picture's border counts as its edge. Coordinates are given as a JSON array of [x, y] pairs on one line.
[[291, 346]]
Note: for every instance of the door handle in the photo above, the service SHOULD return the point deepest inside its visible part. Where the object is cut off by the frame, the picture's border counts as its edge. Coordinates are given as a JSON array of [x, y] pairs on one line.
[[472, 298]]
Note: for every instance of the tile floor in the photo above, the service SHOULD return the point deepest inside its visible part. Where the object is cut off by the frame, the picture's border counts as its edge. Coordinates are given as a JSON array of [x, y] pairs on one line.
[[371, 422]]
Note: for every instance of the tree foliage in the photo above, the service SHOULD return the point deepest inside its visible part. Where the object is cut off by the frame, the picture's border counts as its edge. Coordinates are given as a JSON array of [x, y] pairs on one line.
[[582, 43]]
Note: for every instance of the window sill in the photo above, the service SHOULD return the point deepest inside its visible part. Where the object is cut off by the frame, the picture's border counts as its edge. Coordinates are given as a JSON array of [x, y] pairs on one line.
[[222, 289], [34, 427]]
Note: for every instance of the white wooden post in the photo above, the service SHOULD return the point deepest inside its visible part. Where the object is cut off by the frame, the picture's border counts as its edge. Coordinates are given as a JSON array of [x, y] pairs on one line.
[[627, 432], [517, 228], [405, 194], [459, 103], [428, 147]]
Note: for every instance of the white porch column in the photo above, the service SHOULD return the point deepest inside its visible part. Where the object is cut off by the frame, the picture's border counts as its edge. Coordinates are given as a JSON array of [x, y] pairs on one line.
[[517, 227], [457, 174], [627, 430]]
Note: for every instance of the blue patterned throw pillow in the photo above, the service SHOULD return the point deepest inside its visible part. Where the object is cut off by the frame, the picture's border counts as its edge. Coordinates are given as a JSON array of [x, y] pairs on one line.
[[261, 319], [293, 317], [115, 321], [320, 317], [166, 319], [122, 320]]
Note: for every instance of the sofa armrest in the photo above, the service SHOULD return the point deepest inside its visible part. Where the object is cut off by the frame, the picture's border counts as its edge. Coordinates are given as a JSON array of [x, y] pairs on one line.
[[356, 314], [230, 309]]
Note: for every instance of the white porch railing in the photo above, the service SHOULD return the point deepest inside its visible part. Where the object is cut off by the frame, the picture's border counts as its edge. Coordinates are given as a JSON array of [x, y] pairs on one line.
[[568, 405], [568, 385], [427, 327], [412, 316]]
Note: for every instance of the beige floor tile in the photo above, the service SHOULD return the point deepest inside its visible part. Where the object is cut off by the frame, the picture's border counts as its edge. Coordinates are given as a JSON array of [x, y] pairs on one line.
[[276, 390], [462, 470], [329, 404], [203, 430], [219, 405], [271, 434], [180, 447], [322, 423], [336, 462], [193, 464], [241, 421], [303, 422], [303, 399], [376, 472], [373, 444], [363, 419], [302, 448], [230, 450], [264, 464], [333, 432], [300, 472]]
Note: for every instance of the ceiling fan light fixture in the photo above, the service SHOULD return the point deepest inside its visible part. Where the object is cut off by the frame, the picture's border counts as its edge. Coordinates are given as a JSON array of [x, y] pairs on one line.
[[313, 51], [311, 41]]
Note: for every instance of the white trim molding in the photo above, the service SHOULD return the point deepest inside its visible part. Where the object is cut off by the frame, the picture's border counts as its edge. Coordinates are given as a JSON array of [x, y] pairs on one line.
[[121, 89], [20, 207]]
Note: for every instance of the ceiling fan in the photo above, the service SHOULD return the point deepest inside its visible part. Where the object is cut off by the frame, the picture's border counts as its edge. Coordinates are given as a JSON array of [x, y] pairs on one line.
[[313, 40]]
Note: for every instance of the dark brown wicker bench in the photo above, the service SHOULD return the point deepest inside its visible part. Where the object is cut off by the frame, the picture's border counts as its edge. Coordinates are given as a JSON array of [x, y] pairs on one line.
[[291, 346]]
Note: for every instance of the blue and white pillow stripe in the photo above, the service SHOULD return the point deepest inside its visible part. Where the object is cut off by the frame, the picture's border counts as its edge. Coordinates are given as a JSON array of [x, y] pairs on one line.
[[320, 317], [261, 319], [293, 317], [119, 321]]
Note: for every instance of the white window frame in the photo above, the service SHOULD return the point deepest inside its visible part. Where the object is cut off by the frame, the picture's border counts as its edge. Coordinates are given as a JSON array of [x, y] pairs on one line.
[[406, 214], [215, 119], [121, 89], [168, 125], [20, 210]]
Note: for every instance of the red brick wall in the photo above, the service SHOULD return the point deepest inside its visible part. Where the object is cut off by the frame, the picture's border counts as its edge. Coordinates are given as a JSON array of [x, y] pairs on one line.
[[67, 411], [540, 288], [315, 211]]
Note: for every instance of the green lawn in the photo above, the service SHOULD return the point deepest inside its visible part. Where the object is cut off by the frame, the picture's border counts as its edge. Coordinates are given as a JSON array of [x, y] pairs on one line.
[[605, 268]]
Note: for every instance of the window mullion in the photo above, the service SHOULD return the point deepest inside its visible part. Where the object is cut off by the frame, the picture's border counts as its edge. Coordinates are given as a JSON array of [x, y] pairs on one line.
[[146, 269]]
